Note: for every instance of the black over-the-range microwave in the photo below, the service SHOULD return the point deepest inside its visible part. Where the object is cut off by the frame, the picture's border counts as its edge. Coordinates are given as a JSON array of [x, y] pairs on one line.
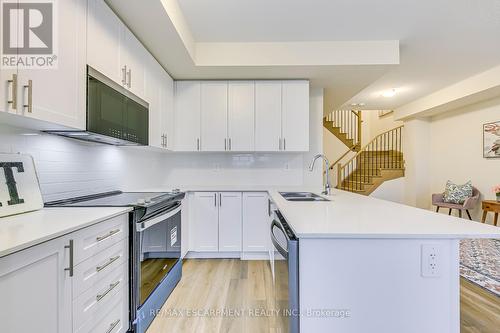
[[114, 115]]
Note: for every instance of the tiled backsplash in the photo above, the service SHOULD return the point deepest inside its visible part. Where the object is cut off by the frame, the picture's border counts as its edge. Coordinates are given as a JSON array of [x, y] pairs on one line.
[[69, 167], [65, 167]]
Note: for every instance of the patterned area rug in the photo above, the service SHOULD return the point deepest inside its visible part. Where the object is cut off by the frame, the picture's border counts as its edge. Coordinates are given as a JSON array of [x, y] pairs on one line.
[[480, 263]]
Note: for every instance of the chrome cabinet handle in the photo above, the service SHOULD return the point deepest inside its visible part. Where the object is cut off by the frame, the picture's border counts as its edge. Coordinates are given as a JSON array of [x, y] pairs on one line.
[[225, 144], [124, 75], [220, 199], [129, 73], [13, 101], [198, 145], [284, 143], [215, 199], [269, 207], [229, 143], [111, 287], [279, 143], [110, 261], [112, 326], [29, 86], [111, 233], [163, 140], [166, 140], [71, 248]]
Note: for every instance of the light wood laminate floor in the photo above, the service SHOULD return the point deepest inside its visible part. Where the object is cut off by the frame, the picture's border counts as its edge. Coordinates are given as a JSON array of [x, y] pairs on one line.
[[211, 284]]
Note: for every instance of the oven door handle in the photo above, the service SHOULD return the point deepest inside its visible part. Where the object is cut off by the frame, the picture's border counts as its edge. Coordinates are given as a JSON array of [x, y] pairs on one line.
[[276, 244], [157, 219]]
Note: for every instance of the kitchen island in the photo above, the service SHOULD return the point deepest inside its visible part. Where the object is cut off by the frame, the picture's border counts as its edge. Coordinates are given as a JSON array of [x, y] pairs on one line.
[[368, 265]]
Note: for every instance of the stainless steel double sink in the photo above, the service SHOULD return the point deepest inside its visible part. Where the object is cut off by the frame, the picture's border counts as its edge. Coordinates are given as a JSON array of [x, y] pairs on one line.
[[302, 196]]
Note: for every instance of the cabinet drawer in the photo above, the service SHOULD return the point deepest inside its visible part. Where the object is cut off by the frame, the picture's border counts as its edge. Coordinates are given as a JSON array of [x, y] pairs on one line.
[[114, 318], [99, 298], [99, 237], [92, 270]]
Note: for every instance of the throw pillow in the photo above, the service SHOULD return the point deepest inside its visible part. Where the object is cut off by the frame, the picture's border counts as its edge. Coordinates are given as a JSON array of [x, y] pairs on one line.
[[457, 194]]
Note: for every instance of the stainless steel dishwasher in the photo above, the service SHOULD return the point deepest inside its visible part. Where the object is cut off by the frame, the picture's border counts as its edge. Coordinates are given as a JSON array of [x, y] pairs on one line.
[[286, 271]]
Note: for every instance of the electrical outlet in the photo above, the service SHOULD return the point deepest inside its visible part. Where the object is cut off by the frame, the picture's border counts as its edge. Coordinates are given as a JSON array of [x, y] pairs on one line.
[[431, 260]]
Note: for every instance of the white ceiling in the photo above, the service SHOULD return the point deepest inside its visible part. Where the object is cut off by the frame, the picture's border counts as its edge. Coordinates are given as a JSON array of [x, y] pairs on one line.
[[441, 41]]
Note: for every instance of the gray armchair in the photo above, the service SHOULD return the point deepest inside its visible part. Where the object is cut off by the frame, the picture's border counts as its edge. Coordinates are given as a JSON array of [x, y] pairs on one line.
[[470, 203]]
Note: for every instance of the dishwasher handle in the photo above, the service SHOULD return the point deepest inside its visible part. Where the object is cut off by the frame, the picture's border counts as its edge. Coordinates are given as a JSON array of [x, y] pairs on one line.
[[275, 242]]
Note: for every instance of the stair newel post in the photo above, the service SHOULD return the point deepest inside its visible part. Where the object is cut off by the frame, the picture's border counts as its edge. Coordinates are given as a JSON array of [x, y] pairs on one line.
[[359, 127], [339, 176]]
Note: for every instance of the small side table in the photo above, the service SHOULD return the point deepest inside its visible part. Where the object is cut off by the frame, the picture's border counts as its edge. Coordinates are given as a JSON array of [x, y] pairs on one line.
[[491, 206]]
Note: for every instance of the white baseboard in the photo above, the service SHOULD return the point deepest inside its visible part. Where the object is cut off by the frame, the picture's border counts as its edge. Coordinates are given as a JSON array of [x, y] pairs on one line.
[[255, 255], [212, 255], [228, 255]]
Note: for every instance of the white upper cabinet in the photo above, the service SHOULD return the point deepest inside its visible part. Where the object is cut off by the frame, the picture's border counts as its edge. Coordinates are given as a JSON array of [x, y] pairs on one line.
[[241, 116], [159, 94], [295, 115], [113, 49], [214, 116], [104, 33], [153, 92], [167, 108], [230, 222], [133, 56], [187, 116], [57, 95], [268, 115]]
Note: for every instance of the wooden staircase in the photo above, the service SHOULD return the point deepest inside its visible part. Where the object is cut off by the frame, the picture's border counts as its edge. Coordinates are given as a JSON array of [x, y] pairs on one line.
[[346, 126], [377, 162]]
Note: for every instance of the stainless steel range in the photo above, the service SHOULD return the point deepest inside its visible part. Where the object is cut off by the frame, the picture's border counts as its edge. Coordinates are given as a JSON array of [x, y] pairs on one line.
[[155, 246]]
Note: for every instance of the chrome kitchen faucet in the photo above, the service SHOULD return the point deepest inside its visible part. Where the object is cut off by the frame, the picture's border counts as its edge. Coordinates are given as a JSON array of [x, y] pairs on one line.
[[328, 186]]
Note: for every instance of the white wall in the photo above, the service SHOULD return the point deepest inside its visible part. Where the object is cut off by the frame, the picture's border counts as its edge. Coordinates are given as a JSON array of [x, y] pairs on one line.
[[378, 125], [456, 149], [69, 167]]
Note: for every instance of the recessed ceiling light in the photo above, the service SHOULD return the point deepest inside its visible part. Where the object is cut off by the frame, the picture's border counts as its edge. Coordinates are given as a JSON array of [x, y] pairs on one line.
[[30, 134], [389, 93]]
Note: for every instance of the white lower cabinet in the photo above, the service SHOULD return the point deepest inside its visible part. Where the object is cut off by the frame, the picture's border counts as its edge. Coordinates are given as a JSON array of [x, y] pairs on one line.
[[230, 222], [216, 222], [236, 222], [255, 222], [68, 284], [205, 222], [35, 289]]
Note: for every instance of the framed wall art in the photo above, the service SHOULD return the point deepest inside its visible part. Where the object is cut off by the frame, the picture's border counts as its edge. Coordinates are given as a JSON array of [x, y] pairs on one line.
[[491, 140], [383, 113]]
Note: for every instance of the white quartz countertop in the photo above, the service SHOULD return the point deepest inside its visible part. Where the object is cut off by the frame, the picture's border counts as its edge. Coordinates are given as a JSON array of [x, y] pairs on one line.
[[19, 232], [350, 215]]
